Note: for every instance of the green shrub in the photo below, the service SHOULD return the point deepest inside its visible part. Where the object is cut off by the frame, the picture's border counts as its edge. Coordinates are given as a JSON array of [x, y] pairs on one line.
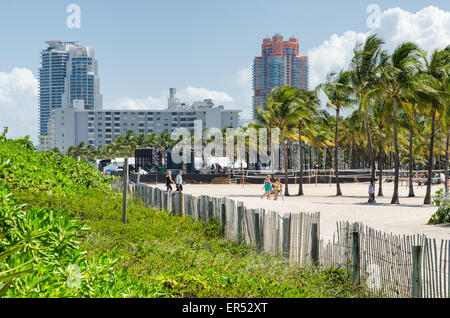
[[24, 168], [50, 243], [442, 201]]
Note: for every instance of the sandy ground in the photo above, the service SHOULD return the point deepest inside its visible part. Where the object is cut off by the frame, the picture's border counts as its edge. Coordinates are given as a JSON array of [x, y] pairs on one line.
[[410, 217]]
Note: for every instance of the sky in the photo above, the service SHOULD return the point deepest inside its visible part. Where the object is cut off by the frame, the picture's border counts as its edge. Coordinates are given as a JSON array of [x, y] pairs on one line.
[[204, 48]]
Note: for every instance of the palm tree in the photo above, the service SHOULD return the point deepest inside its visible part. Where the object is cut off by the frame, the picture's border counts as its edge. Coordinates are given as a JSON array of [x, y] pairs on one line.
[[397, 71], [447, 119], [281, 112], [430, 85], [364, 71], [78, 151], [411, 108], [338, 89], [307, 105], [381, 107]]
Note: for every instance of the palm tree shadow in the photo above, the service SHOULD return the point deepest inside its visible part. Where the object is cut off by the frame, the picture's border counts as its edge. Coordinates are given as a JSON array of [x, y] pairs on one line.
[[390, 204]]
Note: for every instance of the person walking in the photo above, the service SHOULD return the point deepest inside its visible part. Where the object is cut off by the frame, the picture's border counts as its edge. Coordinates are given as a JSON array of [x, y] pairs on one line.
[[278, 189], [179, 181], [169, 180], [371, 191], [267, 187]]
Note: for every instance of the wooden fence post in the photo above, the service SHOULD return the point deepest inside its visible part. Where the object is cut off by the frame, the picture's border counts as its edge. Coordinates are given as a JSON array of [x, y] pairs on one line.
[[257, 233], [355, 258], [125, 189], [286, 235], [180, 203], [240, 212], [166, 203], [314, 244], [223, 216], [199, 210], [210, 210], [417, 271]]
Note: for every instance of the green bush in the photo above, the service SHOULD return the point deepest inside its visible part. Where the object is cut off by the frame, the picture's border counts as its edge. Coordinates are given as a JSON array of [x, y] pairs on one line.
[[442, 201], [24, 168], [45, 249]]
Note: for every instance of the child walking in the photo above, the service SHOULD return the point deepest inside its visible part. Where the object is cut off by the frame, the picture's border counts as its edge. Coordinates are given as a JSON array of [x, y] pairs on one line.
[[267, 187]]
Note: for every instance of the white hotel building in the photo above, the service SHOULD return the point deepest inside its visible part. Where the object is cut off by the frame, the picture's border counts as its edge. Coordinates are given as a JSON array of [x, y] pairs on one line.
[[71, 126]]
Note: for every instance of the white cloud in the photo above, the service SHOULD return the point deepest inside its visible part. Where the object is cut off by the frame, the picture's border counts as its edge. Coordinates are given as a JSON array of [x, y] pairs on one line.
[[18, 103], [192, 94], [332, 55], [189, 94], [429, 28], [139, 103]]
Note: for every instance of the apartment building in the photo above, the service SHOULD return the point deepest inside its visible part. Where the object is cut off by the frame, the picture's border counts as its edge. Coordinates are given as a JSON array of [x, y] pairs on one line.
[[70, 126]]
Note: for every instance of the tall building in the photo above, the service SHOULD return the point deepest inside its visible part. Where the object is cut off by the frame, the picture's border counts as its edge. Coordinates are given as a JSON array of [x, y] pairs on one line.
[[278, 65], [68, 75]]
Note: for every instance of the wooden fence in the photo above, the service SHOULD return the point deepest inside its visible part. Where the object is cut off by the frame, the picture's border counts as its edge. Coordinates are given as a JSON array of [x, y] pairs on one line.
[[383, 262], [289, 235]]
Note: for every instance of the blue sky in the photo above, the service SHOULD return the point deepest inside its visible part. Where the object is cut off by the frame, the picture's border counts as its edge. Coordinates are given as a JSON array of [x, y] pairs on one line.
[[145, 47]]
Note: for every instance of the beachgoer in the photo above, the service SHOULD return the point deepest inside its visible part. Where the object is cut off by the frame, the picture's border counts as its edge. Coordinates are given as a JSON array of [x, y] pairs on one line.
[[169, 180], [179, 181], [276, 189], [267, 187], [371, 191]]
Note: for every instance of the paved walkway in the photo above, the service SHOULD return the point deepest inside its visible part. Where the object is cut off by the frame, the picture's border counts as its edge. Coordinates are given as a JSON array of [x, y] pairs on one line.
[[410, 217]]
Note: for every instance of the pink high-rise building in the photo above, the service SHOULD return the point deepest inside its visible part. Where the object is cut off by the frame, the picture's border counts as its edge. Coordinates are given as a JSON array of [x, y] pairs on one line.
[[279, 65]]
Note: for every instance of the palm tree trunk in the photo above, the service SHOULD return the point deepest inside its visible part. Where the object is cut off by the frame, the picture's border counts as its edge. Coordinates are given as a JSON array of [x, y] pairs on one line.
[[396, 156], [336, 146], [427, 199], [286, 166], [300, 143], [369, 145], [411, 161], [310, 158], [380, 162], [446, 159]]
